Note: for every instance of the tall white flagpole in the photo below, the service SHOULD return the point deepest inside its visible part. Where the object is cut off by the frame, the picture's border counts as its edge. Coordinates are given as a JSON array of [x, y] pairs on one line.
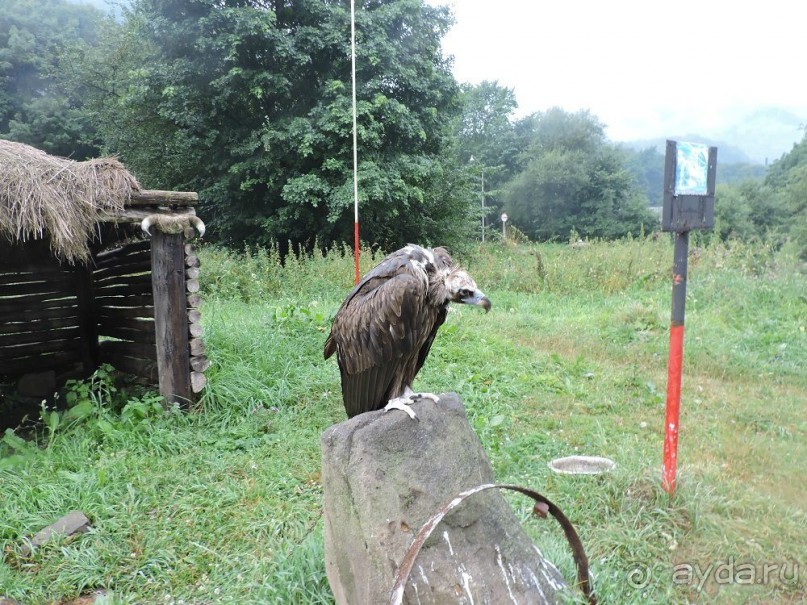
[[355, 143]]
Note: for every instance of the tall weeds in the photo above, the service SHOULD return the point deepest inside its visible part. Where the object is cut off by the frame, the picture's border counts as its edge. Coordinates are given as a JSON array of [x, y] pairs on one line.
[[595, 267]]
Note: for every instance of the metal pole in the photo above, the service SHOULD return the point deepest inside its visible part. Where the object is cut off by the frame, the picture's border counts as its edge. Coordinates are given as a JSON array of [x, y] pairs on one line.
[[674, 366], [483, 204], [355, 142]]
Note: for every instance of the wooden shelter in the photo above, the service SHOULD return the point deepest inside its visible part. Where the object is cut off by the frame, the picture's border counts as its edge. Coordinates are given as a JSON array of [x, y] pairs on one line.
[[82, 284]]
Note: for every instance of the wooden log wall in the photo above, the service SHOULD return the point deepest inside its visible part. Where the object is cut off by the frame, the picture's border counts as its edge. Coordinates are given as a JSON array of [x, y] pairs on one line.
[[45, 314], [124, 306], [168, 352], [149, 313]]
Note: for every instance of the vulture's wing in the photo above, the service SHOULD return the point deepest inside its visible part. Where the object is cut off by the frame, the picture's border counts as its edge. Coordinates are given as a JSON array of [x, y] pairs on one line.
[[378, 332], [440, 318]]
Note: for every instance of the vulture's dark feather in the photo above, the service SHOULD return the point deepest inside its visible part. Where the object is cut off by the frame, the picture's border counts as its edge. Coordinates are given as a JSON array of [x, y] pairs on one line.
[[384, 330]]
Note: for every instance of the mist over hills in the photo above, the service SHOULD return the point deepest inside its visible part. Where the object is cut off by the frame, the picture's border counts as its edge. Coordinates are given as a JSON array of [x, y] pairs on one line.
[[102, 5], [760, 137], [113, 8]]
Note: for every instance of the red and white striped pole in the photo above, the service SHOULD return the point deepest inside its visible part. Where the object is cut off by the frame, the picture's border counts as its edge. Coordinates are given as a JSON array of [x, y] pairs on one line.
[[355, 140]]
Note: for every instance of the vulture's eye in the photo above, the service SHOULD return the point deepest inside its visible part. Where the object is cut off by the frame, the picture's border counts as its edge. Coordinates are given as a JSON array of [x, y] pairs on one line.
[[465, 293]]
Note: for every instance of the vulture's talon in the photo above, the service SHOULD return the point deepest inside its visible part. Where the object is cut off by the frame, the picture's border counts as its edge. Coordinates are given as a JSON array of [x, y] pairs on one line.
[[400, 403]]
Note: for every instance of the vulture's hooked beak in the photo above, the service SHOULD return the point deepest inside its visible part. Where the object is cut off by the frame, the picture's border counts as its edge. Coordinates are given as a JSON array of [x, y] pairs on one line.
[[479, 299]]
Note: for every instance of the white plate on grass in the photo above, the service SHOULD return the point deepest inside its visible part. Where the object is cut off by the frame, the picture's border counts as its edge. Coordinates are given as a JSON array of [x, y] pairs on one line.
[[582, 465]]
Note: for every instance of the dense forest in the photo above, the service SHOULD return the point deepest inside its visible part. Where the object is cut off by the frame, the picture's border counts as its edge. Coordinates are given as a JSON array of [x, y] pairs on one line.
[[248, 102]]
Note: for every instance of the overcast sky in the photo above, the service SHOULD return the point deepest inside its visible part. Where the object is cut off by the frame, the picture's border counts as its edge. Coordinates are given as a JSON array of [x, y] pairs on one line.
[[645, 68]]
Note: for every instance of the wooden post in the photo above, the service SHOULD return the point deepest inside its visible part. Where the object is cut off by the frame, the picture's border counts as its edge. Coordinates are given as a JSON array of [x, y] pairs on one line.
[[170, 315]]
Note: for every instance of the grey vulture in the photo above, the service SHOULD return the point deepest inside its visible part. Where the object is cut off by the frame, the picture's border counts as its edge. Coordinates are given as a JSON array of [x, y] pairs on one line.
[[385, 328]]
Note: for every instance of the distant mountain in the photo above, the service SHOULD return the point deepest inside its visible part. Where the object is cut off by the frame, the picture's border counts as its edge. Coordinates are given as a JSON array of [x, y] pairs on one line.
[[726, 153], [767, 133], [760, 137], [108, 7]]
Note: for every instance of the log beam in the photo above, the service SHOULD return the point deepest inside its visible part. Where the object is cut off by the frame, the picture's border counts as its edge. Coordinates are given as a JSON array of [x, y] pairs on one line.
[[154, 197], [130, 215]]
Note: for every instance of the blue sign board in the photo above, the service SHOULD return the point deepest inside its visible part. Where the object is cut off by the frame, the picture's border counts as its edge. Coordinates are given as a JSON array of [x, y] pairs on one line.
[[691, 169]]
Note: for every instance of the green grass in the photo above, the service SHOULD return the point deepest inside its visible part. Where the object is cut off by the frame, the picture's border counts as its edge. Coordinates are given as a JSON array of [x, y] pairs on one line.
[[223, 505]]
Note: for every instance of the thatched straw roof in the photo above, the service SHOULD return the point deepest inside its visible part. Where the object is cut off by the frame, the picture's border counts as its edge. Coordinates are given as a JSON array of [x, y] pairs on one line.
[[47, 196]]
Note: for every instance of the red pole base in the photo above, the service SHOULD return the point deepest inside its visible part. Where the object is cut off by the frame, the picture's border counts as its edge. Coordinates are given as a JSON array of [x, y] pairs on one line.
[[673, 408], [356, 248]]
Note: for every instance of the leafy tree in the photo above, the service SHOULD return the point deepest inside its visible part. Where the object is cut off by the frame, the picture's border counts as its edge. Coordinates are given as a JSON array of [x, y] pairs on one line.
[[540, 198], [750, 209], [732, 213], [34, 108], [787, 177], [775, 208], [558, 129], [647, 168], [738, 172], [574, 180], [249, 103], [485, 139], [778, 172], [795, 198], [484, 128]]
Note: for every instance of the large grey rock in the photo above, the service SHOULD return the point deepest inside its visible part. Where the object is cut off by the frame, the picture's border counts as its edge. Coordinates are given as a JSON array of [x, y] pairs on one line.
[[384, 475]]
